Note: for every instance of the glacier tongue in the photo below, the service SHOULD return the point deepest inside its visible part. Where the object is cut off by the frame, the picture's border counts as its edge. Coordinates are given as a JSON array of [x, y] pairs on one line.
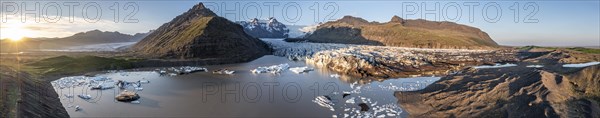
[[383, 61]]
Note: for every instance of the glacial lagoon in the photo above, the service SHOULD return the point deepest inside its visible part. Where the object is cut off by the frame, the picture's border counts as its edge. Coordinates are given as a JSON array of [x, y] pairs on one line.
[[242, 94]]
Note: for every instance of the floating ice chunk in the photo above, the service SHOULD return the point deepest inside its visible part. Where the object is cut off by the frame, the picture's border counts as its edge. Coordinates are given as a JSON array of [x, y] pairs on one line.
[[99, 78], [350, 101], [581, 65], [334, 76], [495, 66], [223, 71], [324, 102], [77, 108], [139, 88], [84, 96], [275, 69], [135, 102], [534, 66], [103, 86], [299, 70], [144, 81]]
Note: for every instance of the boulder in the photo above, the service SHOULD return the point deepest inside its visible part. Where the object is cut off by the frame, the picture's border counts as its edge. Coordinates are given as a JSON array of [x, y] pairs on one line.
[[127, 96]]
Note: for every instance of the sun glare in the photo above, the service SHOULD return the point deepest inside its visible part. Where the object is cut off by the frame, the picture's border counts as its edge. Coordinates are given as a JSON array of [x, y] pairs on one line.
[[16, 38], [14, 31]]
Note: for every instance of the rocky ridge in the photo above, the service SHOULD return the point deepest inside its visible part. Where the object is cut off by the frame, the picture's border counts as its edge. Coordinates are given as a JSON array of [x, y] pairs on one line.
[[402, 33]]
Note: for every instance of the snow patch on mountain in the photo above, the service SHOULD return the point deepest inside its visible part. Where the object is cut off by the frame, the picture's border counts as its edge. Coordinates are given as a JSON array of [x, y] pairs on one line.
[[270, 28]]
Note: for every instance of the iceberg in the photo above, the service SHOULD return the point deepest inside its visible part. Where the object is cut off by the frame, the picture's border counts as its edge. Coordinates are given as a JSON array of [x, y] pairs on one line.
[[324, 101], [77, 108], [275, 69], [85, 96], [581, 65], [334, 76], [495, 66], [534, 66], [299, 70], [223, 71]]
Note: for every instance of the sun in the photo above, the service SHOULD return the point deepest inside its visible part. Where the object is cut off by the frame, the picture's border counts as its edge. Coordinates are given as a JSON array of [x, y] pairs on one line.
[[15, 38], [14, 31]]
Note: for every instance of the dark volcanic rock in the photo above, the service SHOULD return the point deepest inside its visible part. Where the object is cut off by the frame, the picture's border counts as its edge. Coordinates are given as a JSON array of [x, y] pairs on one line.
[[265, 29], [201, 34], [364, 107], [508, 92], [404, 33]]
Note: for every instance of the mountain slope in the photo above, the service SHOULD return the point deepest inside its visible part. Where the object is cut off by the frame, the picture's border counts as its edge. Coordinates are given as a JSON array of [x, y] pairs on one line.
[[201, 34], [403, 33]]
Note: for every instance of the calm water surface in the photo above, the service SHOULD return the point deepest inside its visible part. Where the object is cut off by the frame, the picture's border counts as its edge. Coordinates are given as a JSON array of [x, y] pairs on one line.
[[243, 94]]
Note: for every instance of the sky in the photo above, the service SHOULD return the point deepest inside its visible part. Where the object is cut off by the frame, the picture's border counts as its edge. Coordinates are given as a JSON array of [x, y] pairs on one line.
[[513, 23]]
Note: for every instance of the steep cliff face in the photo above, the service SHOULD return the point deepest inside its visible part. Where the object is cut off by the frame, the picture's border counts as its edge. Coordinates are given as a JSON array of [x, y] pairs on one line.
[[508, 92], [404, 33], [201, 34], [270, 28]]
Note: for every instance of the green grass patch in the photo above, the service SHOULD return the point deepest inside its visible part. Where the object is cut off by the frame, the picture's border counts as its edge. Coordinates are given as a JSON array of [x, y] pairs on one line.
[[71, 65], [586, 50], [579, 49], [530, 47]]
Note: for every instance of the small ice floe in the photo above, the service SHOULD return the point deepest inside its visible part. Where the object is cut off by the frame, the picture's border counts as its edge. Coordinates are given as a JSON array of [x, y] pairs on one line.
[[135, 102], [535, 66], [69, 95], [103, 86], [139, 88], [77, 108], [85, 96], [187, 70], [495, 66], [223, 71], [144, 81], [334, 76], [324, 101], [275, 69], [580, 65], [350, 101], [299, 70], [99, 78]]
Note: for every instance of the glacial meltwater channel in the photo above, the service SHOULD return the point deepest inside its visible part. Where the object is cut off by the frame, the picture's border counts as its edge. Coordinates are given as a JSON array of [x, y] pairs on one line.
[[242, 94]]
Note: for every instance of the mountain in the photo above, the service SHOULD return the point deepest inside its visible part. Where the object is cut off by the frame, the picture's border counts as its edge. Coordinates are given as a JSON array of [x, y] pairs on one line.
[[265, 28], [400, 32], [79, 39], [201, 34]]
